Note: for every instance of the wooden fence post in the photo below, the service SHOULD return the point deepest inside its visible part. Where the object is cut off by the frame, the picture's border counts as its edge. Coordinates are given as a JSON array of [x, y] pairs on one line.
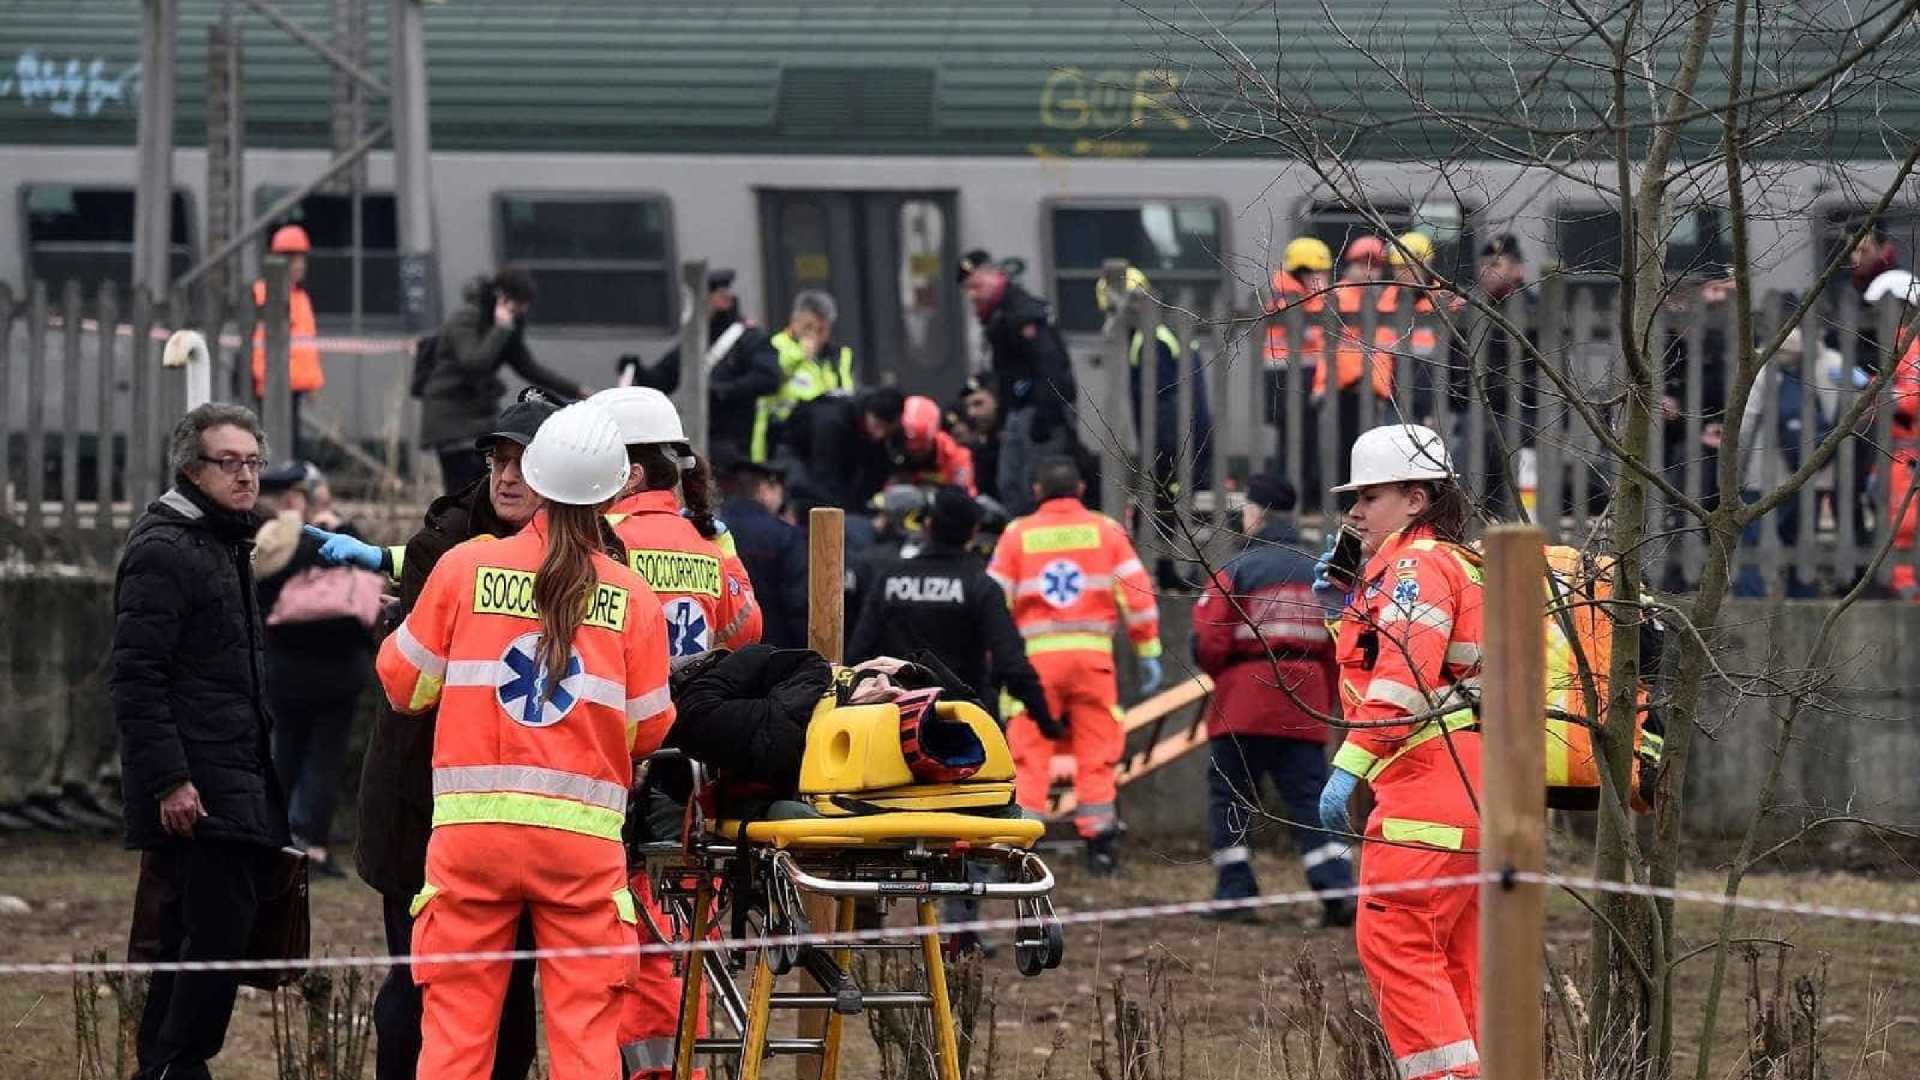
[[1513, 812], [826, 619]]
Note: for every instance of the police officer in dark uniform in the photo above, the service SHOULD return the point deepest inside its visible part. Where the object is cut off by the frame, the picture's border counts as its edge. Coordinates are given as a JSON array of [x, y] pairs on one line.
[[1032, 376], [742, 368], [941, 601]]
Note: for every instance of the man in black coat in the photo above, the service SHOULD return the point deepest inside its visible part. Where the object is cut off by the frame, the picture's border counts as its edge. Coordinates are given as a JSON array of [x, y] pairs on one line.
[[188, 686], [463, 390], [843, 448], [1032, 374], [742, 368], [773, 551], [941, 601], [396, 783]]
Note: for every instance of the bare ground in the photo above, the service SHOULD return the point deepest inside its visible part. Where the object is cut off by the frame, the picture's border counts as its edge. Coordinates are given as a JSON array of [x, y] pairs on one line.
[[1213, 1001]]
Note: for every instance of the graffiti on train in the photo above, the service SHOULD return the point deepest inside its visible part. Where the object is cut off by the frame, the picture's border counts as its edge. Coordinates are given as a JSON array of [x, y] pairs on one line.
[[70, 87]]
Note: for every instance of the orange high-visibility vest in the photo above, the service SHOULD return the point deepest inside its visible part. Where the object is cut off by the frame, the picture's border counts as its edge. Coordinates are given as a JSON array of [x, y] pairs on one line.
[[1288, 292], [1350, 357], [704, 592], [507, 747], [1072, 576], [303, 343]]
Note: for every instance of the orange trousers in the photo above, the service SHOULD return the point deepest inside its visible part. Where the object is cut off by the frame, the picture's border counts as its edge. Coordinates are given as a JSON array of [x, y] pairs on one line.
[[1082, 694], [650, 1009], [479, 879], [1420, 950], [1904, 582]]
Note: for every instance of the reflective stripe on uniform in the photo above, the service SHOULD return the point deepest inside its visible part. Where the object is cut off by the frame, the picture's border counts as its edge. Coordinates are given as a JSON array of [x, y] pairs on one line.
[[1464, 654], [430, 663], [1426, 1062], [1368, 766], [1230, 856], [1044, 627], [1331, 851], [1034, 586], [517, 808], [1143, 616], [1430, 833], [492, 673], [1396, 693], [647, 1055], [1129, 568], [739, 620], [529, 779], [397, 559], [1425, 616], [649, 704], [1002, 580], [1069, 643]]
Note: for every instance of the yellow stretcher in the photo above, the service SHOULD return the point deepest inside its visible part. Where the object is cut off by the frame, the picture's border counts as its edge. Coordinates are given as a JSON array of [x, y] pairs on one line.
[[867, 834]]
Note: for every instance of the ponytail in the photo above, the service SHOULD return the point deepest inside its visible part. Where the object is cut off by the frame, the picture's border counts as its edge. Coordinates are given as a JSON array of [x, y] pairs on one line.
[[660, 462], [1449, 511], [696, 491], [564, 586]]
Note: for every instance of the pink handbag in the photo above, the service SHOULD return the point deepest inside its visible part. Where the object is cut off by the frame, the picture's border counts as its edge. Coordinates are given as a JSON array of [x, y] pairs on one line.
[[328, 592]]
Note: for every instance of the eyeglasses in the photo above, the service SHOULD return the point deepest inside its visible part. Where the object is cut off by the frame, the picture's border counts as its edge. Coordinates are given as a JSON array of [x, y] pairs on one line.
[[232, 466], [498, 461]]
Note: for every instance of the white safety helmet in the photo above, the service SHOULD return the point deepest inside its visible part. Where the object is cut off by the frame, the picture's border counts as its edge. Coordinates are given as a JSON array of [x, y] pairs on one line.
[[645, 415], [1898, 284], [577, 457], [1396, 453]]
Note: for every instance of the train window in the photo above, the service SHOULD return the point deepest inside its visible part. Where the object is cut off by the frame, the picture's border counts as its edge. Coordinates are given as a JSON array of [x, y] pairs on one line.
[[1589, 241], [596, 259], [1445, 223], [1178, 244], [85, 233], [328, 220]]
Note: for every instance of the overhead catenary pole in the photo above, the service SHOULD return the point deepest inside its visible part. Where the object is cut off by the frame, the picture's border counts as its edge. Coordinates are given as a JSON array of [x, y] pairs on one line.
[[153, 193], [412, 168], [1513, 810]]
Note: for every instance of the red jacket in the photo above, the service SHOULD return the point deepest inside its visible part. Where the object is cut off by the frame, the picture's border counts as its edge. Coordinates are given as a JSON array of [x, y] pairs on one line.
[[1262, 603]]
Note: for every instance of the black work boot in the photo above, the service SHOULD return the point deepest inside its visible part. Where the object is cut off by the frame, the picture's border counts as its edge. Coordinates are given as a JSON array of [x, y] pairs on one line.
[[1341, 912], [1103, 855]]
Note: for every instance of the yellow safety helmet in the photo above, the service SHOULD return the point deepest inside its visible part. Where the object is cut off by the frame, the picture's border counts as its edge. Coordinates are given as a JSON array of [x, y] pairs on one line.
[[1308, 253], [1136, 282], [1416, 244]]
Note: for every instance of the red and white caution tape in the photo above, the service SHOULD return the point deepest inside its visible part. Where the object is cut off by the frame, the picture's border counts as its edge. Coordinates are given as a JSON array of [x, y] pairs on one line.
[[1065, 918], [355, 346]]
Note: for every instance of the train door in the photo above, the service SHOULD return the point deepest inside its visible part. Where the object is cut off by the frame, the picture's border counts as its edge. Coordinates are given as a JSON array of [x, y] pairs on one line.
[[887, 258]]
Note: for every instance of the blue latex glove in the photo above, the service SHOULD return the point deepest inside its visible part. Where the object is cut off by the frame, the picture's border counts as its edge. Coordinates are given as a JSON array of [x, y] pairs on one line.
[[1150, 675], [1331, 596], [1333, 801], [337, 549]]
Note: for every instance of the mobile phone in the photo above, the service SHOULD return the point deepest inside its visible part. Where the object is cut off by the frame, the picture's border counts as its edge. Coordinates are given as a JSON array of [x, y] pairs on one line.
[[1347, 562]]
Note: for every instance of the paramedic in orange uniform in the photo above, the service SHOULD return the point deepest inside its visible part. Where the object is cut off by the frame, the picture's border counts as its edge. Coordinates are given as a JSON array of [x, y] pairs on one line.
[[1072, 577], [549, 668], [707, 602], [687, 558], [1408, 650], [932, 457], [304, 375]]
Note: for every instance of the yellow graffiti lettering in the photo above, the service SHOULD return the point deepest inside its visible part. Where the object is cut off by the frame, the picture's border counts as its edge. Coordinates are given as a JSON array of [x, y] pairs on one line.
[[1063, 102]]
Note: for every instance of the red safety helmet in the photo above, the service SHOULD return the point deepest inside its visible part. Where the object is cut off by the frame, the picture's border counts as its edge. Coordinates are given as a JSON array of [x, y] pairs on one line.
[[919, 423], [1367, 249], [290, 240]]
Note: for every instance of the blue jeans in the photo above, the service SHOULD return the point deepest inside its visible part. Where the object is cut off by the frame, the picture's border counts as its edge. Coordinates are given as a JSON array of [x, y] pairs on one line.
[[1297, 769]]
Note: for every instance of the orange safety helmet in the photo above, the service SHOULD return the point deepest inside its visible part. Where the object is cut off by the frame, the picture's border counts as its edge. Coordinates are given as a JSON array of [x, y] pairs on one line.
[[919, 423], [1367, 249], [290, 240]]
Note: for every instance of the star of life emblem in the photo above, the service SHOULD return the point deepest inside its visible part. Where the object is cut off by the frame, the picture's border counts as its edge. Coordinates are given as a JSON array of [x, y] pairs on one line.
[[688, 632], [1062, 582], [523, 692]]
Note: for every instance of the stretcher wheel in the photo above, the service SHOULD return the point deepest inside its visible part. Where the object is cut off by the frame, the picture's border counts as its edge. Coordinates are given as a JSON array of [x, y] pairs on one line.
[[1056, 939], [1030, 950], [782, 958]]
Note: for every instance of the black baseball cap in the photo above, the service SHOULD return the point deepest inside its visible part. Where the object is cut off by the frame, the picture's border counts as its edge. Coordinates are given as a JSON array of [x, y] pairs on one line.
[[283, 477], [737, 466], [1272, 492], [719, 279], [971, 261], [518, 423]]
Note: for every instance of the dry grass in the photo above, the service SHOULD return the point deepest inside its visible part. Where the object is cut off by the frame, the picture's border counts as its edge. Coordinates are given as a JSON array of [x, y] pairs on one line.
[[1217, 1002]]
